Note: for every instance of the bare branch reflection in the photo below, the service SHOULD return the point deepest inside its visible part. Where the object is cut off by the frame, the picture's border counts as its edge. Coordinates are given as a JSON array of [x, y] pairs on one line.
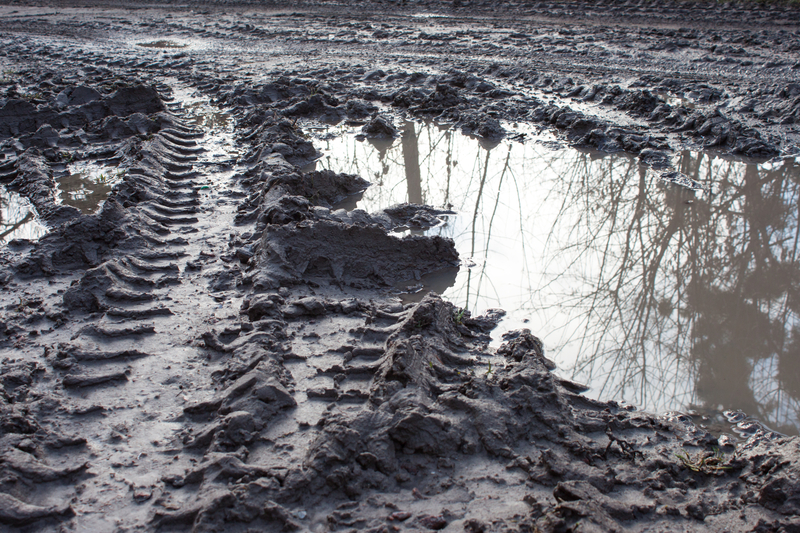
[[648, 292], [18, 218]]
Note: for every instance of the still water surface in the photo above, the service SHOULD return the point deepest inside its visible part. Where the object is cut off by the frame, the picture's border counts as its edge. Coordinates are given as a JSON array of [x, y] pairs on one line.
[[650, 293], [18, 219], [87, 185]]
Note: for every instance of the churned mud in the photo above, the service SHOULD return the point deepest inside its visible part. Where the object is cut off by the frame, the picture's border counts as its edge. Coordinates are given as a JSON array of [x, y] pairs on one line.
[[216, 293]]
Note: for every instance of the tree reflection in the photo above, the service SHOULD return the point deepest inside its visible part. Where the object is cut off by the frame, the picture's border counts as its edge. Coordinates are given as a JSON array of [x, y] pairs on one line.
[[648, 292], [702, 291], [17, 218], [411, 164]]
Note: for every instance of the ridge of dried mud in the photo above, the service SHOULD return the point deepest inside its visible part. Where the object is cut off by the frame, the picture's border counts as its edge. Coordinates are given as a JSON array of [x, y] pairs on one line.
[[217, 348]]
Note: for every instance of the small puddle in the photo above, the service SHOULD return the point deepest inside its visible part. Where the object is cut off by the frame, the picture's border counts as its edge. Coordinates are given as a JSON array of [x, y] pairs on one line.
[[219, 145], [650, 293], [203, 115], [87, 185], [676, 100], [162, 44], [18, 219]]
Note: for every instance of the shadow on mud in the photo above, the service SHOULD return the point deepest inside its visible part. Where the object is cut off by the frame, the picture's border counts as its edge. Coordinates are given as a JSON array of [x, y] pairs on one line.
[[161, 44]]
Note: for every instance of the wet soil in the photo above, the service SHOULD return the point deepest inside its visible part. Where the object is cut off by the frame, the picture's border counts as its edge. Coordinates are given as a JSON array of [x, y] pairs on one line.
[[218, 345]]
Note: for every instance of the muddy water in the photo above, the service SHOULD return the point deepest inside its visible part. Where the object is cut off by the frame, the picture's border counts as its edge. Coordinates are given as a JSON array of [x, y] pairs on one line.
[[660, 296], [87, 185], [18, 218], [219, 149], [162, 44]]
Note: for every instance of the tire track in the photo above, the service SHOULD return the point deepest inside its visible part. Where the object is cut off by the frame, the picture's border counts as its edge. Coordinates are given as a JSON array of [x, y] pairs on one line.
[[115, 372]]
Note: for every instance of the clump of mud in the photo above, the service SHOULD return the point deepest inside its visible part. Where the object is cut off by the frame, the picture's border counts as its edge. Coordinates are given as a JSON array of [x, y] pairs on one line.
[[303, 237]]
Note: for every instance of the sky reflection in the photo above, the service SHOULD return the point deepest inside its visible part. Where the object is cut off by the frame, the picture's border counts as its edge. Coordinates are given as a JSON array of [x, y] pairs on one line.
[[664, 297]]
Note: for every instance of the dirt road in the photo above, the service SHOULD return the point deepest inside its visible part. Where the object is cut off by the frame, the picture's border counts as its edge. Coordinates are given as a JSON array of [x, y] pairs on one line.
[[218, 346]]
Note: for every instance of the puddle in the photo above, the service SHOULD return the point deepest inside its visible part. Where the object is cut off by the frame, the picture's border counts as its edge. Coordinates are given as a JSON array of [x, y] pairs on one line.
[[675, 100], [18, 219], [162, 44], [87, 185], [197, 111], [650, 293], [203, 115]]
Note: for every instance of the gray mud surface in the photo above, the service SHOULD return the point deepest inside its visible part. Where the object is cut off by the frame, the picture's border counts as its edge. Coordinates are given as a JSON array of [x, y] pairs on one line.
[[217, 347]]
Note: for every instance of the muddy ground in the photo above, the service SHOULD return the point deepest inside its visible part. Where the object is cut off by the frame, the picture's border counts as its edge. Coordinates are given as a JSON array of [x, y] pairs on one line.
[[219, 348]]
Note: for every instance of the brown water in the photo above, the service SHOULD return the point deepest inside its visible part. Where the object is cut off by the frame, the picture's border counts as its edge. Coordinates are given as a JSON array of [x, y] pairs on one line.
[[664, 297], [87, 185], [161, 44]]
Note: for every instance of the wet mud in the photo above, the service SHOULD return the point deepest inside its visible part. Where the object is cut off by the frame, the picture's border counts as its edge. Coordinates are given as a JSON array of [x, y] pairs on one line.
[[216, 341]]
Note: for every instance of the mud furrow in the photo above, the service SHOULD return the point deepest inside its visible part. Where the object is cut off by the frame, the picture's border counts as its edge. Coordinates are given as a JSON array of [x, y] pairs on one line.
[[130, 277]]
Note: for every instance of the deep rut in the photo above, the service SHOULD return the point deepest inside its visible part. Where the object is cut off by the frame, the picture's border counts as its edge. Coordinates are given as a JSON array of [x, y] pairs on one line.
[[130, 348], [166, 360]]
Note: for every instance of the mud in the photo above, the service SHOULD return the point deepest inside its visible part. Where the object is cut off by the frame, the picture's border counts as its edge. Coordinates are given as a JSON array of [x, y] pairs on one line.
[[219, 346]]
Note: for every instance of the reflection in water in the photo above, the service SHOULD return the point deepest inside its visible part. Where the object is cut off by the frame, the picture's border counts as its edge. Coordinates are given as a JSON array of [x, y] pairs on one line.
[[411, 163], [201, 114], [218, 149], [161, 44], [650, 293], [438, 282], [17, 218], [88, 185]]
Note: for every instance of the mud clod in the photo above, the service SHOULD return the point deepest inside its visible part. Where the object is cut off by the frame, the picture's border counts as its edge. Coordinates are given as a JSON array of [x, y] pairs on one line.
[[17, 513], [380, 127]]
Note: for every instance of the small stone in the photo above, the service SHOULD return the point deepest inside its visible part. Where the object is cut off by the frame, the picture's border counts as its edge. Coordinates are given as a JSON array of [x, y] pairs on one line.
[[433, 522], [142, 494], [400, 516], [245, 253], [26, 445], [474, 525]]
